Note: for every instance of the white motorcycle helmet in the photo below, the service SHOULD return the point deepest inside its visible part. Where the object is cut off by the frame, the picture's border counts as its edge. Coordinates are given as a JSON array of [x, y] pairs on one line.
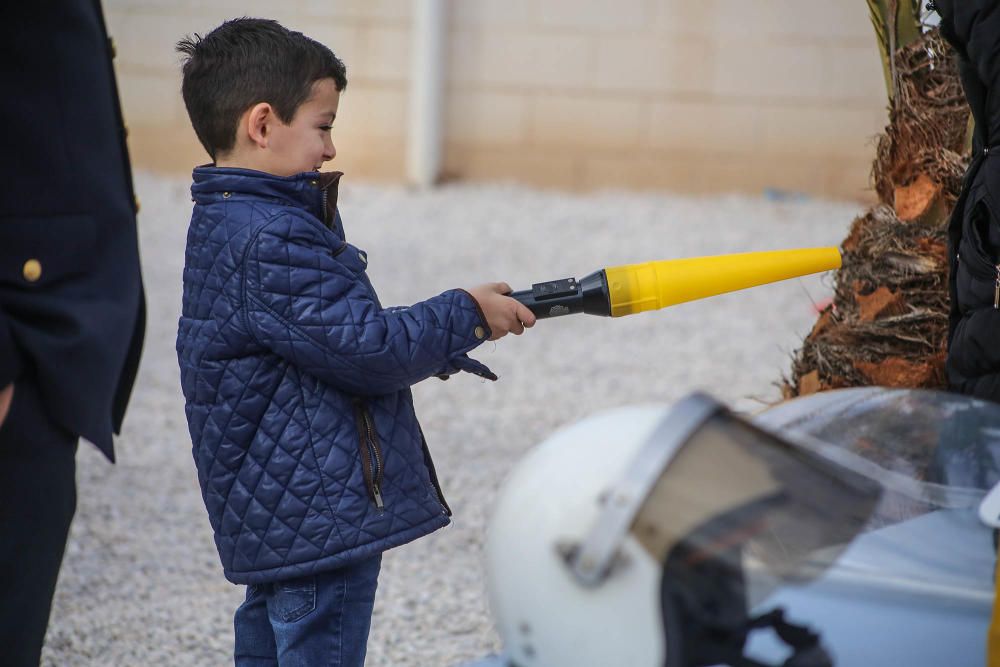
[[853, 527], [624, 539]]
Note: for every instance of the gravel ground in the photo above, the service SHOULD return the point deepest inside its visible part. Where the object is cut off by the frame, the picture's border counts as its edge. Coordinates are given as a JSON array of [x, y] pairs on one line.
[[141, 583]]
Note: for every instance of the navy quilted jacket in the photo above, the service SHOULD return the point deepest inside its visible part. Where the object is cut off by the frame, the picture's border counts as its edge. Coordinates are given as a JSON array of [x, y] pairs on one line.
[[296, 380]]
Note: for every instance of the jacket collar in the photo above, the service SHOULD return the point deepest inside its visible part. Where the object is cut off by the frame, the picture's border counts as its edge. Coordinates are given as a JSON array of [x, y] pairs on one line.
[[314, 191]]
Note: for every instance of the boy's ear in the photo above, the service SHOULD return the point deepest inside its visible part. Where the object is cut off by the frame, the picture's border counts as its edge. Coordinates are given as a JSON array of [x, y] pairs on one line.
[[259, 118]]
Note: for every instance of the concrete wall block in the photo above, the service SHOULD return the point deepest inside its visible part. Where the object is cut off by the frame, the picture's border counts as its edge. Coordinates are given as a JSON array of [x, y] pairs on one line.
[[369, 112], [370, 10], [112, 7], [346, 40], [854, 73], [594, 15], [762, 69], [504, 57], [586, 121], [647, 172], [371, 159], [672, 17], [704, 172], [550, 169], [168, 148], [720, 126], [823, 20], [829, 130], [682, 63], [386, 53], [486, 118], [850, 178], [288, 14], [207, 15], [491, 14], [149, 40], [151, 99], [753, 174], [228, 9]]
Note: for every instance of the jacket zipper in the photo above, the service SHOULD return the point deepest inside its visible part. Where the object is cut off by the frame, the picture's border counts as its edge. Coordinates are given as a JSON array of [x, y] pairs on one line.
[[371, 457], [376, 461]]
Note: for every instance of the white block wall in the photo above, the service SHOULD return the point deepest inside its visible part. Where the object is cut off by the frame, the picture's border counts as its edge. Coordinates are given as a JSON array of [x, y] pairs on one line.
[[693, 96]]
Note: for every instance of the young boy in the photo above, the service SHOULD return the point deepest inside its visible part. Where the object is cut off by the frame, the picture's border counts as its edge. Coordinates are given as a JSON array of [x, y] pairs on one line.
[[296, 380]]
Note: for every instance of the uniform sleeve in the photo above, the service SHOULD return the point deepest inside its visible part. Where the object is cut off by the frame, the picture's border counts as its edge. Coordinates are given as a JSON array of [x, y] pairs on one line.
[[313, 306]]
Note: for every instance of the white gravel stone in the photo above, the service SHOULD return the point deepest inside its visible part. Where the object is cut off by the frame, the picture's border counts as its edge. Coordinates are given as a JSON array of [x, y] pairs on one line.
[[141, 583]]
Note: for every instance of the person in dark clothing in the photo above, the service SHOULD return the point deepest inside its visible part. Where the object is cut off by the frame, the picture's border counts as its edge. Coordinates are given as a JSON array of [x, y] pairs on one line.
[[71, 300], [973, 367]]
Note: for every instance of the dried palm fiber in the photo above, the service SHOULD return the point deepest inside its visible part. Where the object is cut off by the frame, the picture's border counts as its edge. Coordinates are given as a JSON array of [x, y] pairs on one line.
[[887, 324]]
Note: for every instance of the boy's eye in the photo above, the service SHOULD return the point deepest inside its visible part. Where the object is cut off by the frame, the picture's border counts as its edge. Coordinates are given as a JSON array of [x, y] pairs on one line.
[[326, 128]]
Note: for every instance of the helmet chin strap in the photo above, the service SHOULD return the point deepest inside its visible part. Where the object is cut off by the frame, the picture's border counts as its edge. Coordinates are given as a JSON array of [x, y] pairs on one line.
[[720, 643], [805, 644]]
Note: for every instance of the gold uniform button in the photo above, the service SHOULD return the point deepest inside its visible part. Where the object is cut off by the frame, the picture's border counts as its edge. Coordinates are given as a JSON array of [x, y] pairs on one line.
[[480, 332], [138, 205], [32, 270]]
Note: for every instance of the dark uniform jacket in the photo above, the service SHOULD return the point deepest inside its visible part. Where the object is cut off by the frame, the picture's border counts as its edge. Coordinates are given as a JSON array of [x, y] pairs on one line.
[[973, 28], [71, 298]]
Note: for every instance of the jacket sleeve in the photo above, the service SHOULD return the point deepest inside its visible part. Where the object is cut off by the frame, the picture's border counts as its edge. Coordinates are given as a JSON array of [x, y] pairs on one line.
[[315, 308]]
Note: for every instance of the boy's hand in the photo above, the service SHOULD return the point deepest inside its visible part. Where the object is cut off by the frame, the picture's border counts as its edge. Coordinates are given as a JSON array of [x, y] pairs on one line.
[[503, 314]]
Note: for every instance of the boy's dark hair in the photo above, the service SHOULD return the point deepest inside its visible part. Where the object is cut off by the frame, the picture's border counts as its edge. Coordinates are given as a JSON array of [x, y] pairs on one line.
[[246, 61]]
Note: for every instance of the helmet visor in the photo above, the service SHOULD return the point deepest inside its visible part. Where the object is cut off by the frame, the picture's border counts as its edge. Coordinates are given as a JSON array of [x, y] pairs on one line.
[[748, 501]]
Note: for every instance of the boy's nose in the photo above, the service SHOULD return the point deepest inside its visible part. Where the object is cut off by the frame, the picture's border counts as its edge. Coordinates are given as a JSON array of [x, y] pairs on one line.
[[330, 152]]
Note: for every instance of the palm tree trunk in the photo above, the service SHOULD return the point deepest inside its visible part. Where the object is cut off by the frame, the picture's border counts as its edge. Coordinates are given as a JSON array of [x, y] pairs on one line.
[[887, 324]]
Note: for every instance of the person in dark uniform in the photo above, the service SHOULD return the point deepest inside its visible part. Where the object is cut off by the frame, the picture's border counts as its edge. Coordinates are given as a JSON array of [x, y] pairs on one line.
[[72, 312], [972, 27]]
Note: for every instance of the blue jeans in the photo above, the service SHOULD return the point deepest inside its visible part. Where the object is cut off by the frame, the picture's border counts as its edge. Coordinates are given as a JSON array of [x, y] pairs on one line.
[[322, 619]]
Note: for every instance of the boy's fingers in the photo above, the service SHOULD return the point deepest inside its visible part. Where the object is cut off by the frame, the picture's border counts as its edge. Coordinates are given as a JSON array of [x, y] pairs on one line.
[[502, 288], [525, 316]]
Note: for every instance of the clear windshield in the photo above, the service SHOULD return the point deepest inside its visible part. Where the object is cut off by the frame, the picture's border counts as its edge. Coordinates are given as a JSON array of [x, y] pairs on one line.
[[931, 450]]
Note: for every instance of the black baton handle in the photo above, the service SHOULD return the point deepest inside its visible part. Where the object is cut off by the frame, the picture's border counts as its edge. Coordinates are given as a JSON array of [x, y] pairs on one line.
[[567, 296]]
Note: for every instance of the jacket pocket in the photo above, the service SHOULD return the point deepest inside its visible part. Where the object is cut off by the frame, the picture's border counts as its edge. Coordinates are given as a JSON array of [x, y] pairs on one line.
[[977, 234], [370, 451], [978, 273]]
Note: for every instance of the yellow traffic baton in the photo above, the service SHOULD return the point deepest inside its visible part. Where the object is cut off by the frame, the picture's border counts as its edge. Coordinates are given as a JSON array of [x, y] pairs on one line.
[[633, 288]]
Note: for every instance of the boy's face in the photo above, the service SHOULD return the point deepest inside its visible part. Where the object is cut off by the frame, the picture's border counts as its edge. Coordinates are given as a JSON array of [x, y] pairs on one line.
[[305, 143]]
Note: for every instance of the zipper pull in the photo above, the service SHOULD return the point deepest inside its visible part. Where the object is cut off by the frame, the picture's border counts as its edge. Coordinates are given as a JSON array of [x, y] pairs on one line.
[[996, 290], [377, 492]]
